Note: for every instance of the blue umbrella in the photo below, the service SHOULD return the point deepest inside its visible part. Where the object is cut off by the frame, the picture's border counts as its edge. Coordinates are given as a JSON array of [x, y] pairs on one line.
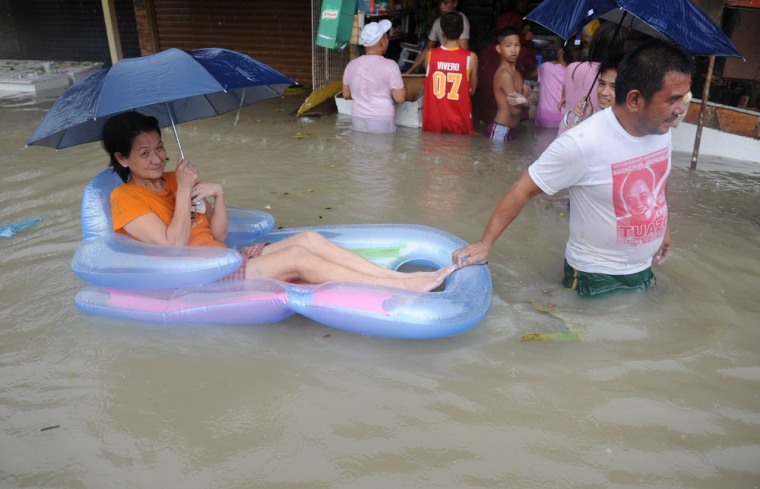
[[678, 20], [174, 86]]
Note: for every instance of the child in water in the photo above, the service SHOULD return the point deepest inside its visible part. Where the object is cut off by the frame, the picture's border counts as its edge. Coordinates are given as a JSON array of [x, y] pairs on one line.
[[506, 83]]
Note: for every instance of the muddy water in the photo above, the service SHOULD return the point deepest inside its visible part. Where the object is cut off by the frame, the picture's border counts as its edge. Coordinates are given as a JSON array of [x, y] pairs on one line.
[[661, 390]]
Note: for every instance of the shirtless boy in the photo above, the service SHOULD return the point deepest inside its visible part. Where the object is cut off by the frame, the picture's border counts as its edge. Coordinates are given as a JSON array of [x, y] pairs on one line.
[[509, 90]]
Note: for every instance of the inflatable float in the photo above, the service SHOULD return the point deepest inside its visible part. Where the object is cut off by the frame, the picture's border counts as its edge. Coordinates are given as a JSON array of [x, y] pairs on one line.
[[130, 279]]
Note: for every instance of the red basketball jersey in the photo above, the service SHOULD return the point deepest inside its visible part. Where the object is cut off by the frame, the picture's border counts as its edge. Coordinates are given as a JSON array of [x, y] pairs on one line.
[[447, 106]]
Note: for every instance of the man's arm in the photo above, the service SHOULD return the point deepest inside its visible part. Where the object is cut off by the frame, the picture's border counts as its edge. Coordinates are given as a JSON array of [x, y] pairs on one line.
[[421, 57], [667, 244], [464, 38], [508, 208], [346, 92]]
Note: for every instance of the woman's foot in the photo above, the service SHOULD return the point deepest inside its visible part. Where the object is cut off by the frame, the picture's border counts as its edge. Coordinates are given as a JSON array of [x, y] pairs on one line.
[[426, 281]]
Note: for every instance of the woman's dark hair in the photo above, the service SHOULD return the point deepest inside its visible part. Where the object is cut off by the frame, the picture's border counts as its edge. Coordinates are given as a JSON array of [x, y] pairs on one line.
[[606, 43], [610, 64], [120, 131], [644, 68]]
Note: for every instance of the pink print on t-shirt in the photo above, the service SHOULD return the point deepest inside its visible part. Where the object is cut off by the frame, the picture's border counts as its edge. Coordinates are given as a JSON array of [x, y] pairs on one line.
[[638, 194]]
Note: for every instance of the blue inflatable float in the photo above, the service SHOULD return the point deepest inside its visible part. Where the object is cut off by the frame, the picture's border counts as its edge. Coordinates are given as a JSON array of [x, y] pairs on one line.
[[136, 280]]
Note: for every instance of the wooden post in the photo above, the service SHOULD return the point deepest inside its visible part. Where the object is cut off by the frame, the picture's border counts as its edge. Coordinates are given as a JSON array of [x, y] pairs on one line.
[[705, 96], [701, 120], [112, 30], [146, 26]]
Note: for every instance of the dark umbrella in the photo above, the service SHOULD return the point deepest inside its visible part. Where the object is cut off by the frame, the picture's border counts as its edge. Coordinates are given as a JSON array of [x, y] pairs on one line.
[[174, 86], [678, 20]]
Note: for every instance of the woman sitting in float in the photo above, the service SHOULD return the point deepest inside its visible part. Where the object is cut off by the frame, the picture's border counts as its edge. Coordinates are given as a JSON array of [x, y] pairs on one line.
[[178, 209]]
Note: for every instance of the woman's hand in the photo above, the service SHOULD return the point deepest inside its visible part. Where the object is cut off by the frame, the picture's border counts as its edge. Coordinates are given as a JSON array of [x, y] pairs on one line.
[[583, 110], [216, 214], [187, 175], [203, 190]]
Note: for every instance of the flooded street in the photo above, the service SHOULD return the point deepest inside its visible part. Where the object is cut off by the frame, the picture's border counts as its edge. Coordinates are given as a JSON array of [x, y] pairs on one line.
[[661, 390]]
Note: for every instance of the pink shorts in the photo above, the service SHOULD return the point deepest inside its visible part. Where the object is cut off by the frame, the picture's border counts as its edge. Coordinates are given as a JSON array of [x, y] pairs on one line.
[[248, 253]]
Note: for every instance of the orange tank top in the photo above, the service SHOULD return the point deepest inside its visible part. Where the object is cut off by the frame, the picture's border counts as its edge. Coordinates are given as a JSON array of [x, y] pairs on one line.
[[130, 201]]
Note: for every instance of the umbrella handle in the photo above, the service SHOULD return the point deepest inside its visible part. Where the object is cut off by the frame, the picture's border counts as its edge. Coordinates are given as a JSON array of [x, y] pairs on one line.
[[174, 128], [237, 116]]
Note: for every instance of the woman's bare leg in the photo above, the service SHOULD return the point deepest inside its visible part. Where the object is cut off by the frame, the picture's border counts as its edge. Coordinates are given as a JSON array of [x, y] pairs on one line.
[[329, 251], [298, 263]]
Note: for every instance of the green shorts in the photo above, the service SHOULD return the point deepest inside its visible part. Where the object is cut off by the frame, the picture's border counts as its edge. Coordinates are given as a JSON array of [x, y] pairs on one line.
[[591, 284]]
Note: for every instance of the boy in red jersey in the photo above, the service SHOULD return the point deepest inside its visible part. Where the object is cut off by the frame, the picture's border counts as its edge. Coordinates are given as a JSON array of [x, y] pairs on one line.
[[450, 81]]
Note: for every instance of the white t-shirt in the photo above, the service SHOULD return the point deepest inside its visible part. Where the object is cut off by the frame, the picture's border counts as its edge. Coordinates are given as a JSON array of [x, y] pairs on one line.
[[617, 182], [371, 78]]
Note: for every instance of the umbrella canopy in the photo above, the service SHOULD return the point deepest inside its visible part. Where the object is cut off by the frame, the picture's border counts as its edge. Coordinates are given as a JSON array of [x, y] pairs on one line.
[[678, 20], [174, 86]]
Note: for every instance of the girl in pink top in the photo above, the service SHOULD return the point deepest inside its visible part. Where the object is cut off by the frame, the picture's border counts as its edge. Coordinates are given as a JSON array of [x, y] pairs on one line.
[[551, 79], [580, 77]]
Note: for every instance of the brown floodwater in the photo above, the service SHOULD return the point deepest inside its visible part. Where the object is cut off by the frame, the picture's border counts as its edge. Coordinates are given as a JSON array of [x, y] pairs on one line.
[[661, 389]]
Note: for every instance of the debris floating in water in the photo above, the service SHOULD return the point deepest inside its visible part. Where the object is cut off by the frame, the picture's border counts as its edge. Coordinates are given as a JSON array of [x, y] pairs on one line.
[[569, 335], [9, 230], [554, 336]]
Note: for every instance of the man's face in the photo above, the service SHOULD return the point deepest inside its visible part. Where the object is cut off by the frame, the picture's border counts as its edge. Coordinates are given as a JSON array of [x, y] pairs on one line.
[[605, 91], [657, 115], [446, 6]]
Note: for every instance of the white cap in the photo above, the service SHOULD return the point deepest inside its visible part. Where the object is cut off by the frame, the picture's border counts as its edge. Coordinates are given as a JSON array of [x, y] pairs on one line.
[[373, 32]]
